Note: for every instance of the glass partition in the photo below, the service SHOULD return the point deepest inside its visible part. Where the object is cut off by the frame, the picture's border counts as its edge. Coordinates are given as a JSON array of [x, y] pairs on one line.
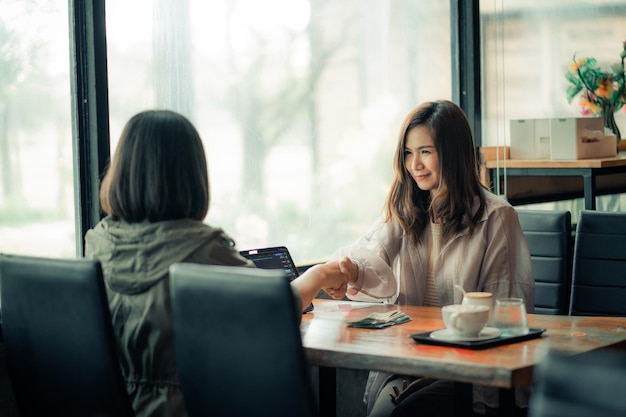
[[299, 103], [527, 48]]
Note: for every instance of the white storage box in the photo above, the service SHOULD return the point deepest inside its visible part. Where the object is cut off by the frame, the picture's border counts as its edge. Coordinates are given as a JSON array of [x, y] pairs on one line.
[[579, 138], [530, 138]]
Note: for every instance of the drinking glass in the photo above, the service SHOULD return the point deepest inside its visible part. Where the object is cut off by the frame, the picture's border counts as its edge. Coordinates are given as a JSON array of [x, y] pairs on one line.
[[509, 315]]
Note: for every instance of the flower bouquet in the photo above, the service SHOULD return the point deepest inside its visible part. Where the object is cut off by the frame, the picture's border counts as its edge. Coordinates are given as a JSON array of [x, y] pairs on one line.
[[603, 92]]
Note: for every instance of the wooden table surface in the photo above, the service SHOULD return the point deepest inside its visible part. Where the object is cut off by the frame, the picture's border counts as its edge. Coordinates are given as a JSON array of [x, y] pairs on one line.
[[329, 342]]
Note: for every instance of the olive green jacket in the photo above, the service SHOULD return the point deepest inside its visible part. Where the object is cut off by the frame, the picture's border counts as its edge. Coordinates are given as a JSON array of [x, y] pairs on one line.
[[135, 260]]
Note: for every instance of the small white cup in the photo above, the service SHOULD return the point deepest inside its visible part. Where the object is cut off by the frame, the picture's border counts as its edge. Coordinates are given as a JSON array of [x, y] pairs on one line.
[[465, 320], [479, 298]]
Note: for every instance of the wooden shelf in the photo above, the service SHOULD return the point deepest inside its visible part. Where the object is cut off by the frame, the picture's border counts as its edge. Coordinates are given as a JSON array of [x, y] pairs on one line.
[[543, 180]]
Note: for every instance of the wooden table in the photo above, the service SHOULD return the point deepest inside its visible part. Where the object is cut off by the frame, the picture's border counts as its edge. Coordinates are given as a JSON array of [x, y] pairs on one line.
[[588, 169], [330, 344]]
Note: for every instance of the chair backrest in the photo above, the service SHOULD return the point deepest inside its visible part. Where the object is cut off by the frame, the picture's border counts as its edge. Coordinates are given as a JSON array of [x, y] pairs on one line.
[[599, 274], [60, 349], [549, 237], [590, 384], [238, 343]]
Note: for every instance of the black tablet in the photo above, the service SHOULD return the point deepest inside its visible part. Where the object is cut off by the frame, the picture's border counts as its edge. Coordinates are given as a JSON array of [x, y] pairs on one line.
[[276, 257]]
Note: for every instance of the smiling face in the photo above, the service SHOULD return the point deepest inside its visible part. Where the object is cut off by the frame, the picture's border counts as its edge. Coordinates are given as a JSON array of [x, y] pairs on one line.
[[421, 159]]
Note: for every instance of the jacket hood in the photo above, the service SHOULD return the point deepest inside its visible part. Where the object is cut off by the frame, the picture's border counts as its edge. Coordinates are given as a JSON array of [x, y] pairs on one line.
[[136, 256]]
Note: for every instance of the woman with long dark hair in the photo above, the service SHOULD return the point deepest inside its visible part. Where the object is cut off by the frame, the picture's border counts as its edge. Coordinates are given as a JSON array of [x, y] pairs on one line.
[[440, 229]]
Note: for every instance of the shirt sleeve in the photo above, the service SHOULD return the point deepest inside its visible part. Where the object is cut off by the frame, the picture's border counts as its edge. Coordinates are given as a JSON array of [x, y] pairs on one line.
[[374, 254]]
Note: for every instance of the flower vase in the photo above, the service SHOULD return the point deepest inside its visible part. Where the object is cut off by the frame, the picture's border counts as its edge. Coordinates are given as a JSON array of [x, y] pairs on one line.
[[608, 112]]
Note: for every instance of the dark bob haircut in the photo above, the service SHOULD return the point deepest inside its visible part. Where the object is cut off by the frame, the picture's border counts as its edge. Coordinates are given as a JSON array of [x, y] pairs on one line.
[[158, 172]]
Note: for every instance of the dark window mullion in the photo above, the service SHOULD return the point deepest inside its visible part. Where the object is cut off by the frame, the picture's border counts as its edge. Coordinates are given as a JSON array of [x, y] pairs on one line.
[[90, 109], [465, 50]]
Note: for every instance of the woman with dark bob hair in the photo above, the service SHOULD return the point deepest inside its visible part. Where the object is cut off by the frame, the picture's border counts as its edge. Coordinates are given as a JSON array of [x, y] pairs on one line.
[[440, 229], [156, 195]]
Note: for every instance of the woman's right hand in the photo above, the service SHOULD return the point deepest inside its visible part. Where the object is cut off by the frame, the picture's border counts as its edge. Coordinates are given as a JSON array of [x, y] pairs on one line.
[[349, 269], [344, 272]]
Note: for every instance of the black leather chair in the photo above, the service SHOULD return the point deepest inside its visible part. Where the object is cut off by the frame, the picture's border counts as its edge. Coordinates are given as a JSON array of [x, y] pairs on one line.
[[591, 384], [238, 344], [60, 349], [599, 274], [549, 237]]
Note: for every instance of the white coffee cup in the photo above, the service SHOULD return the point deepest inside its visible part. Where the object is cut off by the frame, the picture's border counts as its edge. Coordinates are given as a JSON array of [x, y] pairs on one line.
[[465, 320], [479, 298]]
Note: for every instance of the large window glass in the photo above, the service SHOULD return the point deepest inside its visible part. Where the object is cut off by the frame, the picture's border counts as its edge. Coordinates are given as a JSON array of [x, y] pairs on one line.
[[527, 47], [36, 188], [299, 103]]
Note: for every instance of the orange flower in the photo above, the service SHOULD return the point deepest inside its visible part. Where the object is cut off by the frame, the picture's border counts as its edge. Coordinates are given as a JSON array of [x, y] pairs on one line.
[[574, 66], [589, 106], [605, 88]]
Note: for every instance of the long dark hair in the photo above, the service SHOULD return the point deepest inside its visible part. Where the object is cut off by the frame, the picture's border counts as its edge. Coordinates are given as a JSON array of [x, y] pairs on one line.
[[158, 171], [460, 183]]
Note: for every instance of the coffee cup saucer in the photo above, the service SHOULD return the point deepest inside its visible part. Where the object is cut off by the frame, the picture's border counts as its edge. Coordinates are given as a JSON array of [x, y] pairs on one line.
[[447, 336]]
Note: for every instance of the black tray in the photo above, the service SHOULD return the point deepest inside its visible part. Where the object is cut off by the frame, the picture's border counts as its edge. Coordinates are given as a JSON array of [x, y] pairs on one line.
[[425, 338]]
